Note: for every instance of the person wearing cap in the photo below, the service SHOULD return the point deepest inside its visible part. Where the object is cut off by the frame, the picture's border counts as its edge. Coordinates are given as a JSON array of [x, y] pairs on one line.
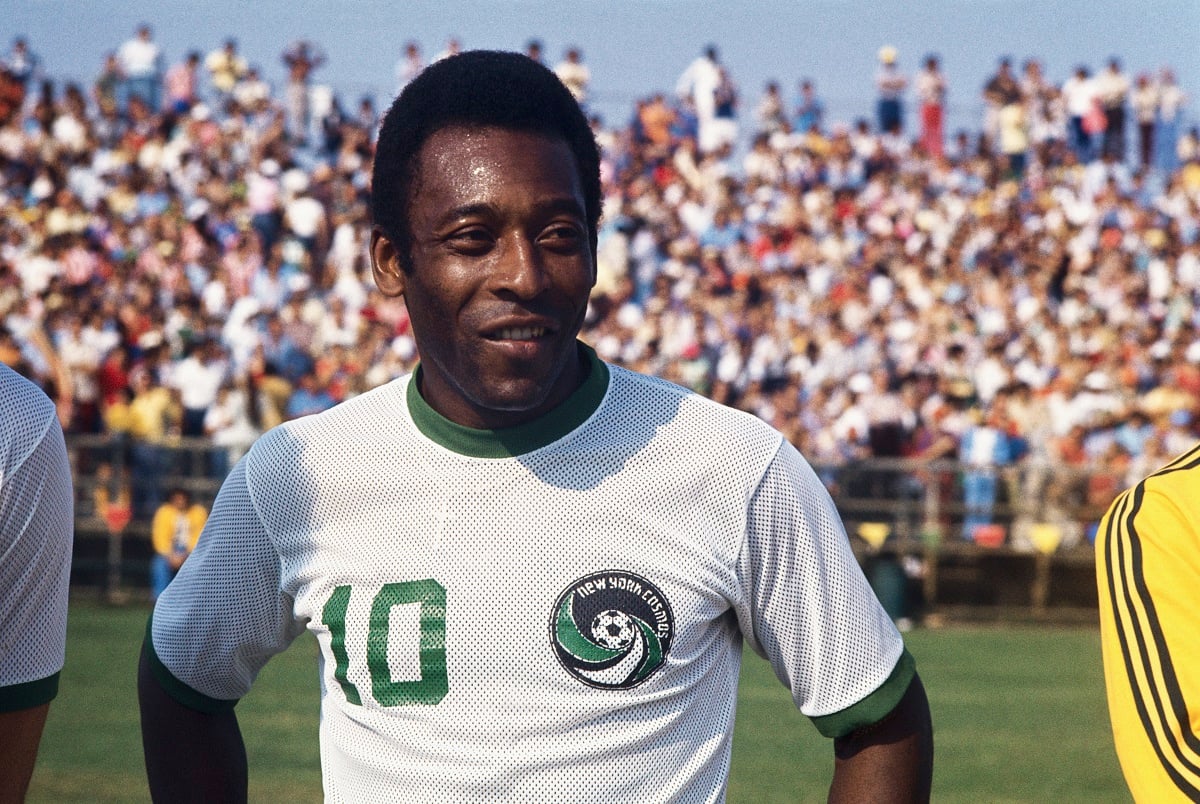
[[891, 84]]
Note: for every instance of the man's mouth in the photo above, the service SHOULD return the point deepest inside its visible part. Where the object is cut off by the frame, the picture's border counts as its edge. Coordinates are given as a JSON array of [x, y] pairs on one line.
[[518, 333]]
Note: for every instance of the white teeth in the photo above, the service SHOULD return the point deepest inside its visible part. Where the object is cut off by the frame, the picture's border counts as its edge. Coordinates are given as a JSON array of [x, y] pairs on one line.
[[521, 333]]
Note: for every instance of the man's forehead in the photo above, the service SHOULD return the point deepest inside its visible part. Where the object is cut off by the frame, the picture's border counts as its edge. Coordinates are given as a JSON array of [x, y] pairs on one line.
[[474, 152], [464, 138]]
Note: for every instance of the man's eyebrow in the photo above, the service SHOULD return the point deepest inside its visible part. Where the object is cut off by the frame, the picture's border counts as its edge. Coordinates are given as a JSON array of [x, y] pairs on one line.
[[465, 211], [548, 206], [567, 204]]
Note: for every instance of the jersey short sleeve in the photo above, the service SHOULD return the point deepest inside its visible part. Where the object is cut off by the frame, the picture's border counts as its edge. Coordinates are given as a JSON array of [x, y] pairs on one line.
[[224, 615], [809, 608], [1148, 572], [36, 532]]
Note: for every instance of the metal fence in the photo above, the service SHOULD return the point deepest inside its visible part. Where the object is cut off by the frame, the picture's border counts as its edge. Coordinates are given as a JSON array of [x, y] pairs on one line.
[[933, 536]]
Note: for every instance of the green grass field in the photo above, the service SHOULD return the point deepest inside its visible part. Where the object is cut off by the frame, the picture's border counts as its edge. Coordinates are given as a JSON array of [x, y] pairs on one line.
[[1018, 715]]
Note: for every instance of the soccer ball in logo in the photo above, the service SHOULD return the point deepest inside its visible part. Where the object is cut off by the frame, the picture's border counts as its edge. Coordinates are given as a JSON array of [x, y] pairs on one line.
[[613, 629], [601, 629]]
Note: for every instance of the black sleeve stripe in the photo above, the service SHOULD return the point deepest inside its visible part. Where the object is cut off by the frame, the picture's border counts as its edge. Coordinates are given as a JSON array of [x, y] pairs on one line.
[[1187, 460], [1124, 614], [1122, 535]]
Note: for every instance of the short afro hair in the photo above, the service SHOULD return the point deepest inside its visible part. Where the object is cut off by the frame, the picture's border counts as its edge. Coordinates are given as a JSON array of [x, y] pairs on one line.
[[476, 89]]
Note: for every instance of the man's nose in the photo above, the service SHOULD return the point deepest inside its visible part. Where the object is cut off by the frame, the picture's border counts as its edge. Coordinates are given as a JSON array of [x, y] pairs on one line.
[[522, 269]]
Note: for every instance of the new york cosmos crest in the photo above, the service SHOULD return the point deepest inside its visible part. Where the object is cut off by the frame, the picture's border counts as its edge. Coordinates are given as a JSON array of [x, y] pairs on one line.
[[612, 629]]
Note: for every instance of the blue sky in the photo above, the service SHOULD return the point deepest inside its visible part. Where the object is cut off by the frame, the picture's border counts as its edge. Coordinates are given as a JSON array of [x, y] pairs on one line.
[[636, 47]]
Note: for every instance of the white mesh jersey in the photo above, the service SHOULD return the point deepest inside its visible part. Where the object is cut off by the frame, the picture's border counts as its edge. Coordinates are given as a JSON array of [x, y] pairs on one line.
[[36, 532], [549, 613]]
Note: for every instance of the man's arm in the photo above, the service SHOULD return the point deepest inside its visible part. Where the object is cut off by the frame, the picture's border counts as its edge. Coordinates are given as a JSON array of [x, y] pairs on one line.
[[889, 761], [20, 733], [36, 535], [1148, 572], [190, 755]]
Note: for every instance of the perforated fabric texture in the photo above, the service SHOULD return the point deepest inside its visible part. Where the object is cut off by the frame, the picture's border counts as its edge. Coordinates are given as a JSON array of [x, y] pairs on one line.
[[563, 625], [828, 638], [36, 532]]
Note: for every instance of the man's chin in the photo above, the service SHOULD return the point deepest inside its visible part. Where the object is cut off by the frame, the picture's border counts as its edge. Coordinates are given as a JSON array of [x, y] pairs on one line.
[[516, 400], [515, 397]]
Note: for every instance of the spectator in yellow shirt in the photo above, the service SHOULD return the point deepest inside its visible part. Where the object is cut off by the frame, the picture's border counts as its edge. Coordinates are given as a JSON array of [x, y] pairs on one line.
[[153, 417], [174, 533], [226, 68]]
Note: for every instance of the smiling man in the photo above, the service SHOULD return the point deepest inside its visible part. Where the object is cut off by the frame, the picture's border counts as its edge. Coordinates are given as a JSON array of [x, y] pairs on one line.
[[530, 573], [503, 240]]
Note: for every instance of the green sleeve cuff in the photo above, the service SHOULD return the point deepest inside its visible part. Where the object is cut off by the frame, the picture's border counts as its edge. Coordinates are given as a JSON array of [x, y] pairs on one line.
[[15, 697], [182, 693], [875, 706]]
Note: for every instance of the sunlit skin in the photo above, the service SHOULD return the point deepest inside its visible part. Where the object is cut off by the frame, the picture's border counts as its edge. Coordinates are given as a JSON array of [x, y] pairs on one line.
[[502, 267]]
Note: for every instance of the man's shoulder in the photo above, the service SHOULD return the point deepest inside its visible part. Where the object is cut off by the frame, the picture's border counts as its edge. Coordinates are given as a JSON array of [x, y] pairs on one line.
[[28, 411], [1176, 485], [359, 416], [637, 396], [1160, 504]]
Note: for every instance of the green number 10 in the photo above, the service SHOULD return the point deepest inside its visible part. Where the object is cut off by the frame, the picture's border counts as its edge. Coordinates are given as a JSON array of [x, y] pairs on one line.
[[433, 685]]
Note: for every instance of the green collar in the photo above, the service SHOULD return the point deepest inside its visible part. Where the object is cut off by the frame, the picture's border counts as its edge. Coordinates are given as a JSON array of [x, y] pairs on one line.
[[511, 441]]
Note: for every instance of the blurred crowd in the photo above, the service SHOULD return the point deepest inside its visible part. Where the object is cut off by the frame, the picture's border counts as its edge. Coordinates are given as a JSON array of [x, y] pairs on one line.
[[183, 254]]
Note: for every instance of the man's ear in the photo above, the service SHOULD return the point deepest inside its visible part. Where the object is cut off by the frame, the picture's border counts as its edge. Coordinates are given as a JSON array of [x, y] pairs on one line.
[[385, 264], [592, 239]]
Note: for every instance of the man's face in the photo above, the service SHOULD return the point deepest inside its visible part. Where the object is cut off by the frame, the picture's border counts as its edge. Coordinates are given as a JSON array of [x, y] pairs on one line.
[[500, 274]]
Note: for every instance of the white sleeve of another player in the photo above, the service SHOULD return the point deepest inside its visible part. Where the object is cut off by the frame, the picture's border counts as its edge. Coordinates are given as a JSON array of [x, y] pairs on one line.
[[807, 607], [36, 531], [224, 615]]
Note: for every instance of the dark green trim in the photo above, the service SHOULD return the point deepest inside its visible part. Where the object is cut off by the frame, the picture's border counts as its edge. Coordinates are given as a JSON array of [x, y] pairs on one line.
[[875, 706], [182, 693], [512, 441], [28, 695]]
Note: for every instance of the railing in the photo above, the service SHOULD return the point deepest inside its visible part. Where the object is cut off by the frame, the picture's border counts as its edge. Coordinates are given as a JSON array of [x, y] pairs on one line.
[[933, 536], [119, 483], [946, 538]]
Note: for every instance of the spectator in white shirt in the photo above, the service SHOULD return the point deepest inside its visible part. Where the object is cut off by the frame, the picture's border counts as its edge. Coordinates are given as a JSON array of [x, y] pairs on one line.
[[197, 378], [141, 65], [574, 74]]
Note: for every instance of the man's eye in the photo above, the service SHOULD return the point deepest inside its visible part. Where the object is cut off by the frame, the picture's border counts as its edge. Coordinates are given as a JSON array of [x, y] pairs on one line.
[[562, 235], [470, 238]]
